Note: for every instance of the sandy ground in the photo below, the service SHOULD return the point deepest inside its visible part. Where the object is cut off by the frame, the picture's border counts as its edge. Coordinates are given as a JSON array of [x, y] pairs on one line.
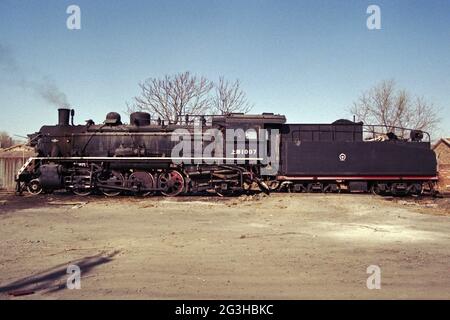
[[282, 246]]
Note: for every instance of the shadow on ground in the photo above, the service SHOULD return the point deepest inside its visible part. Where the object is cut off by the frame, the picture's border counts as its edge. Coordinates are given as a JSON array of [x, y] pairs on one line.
[[54, 279]]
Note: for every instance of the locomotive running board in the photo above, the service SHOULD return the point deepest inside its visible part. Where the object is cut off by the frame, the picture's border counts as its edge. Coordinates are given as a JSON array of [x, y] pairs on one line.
[[168, 159]]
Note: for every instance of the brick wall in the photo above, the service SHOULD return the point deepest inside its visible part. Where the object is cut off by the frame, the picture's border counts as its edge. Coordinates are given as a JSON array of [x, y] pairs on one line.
[[443, 157]]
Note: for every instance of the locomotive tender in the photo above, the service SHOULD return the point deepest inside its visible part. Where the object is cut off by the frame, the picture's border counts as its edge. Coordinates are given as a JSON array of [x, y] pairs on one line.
[[138, 158]]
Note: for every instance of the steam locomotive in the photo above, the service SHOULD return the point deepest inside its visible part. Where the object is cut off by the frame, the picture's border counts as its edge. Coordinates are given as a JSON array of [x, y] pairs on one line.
[[263, 153]]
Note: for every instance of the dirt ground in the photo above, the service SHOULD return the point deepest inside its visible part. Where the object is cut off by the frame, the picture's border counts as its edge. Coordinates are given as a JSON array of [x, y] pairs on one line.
[[282, 246]]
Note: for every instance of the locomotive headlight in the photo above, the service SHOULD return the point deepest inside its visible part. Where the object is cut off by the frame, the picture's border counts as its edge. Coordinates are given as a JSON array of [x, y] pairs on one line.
[[55, 140]]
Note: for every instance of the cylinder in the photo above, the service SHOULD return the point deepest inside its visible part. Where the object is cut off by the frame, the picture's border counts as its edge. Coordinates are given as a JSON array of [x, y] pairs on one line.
[[63, 116]]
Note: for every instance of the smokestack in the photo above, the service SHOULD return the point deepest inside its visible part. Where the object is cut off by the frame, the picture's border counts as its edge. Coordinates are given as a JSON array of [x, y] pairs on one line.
[[63, 116]]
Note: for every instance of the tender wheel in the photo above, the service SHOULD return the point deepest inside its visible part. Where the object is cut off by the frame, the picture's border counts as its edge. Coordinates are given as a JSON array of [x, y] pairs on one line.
[[171, 183], [142, 180], [34, 187], [377, 190], [314, 187], [415, 189], [111, 178]]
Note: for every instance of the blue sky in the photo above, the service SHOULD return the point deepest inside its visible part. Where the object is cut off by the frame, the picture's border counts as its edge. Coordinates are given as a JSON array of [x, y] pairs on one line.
[[306, 59]]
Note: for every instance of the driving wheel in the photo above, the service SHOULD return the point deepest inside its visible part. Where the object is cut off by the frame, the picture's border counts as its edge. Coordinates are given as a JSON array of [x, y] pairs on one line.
[[142, 180], [111, 178], [171, 183]]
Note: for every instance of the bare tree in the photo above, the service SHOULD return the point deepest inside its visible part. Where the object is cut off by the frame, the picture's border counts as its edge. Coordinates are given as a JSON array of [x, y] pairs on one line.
[[229, 97], [386, 105], [173, 96]]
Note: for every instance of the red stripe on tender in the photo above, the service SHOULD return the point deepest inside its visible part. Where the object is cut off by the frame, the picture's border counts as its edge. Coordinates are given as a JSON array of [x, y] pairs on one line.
[[357, 178]]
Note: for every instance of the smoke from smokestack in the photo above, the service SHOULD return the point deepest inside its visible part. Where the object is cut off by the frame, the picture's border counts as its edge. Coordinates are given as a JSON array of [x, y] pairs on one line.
[[45, 87], [7, 62], [51, 93]]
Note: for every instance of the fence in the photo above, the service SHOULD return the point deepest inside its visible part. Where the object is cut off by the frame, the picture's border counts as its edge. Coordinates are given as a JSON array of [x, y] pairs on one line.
[[11, 160]]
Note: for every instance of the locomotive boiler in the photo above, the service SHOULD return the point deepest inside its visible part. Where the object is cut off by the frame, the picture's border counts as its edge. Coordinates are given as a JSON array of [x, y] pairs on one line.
[[263, 153]]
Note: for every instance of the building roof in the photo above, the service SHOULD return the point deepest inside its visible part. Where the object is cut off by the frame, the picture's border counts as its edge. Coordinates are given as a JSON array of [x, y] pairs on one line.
[[446, 141], [17, 151]]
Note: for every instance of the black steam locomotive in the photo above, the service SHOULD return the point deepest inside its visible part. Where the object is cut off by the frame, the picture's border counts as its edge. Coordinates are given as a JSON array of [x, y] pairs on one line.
[[263, 153]]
